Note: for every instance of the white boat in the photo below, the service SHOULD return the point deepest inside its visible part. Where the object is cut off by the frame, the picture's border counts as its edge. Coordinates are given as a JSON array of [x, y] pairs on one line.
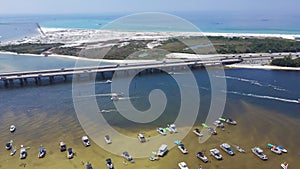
[[108, 81], [182, 165], [197, 132], [182, 148], [227, 148], [282, 149], [70, 153], [141, 138], [12, 128], [218, 123], [202, 157], [13, 152], [42, 152], [85, 141], [284, 165], [109, 163], [163, 150], [161, 131], [216, 153], [275, 150], [107, 139], [172, 128], [230, 121], [126, 155], [62, 146], [8, 145], [23, 152], [259, 153]]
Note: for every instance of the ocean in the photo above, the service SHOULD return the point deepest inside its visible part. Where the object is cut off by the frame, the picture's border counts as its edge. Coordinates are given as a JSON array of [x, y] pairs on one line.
[[216, 22]]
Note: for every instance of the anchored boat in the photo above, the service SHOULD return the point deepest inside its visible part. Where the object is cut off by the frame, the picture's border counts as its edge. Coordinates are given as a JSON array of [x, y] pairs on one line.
[[42, 152], [172, 128], [126, 155], [259, 153], [197, 132], [202, 157], [227, 148], [216, 153], [85, 141], [107, 139]]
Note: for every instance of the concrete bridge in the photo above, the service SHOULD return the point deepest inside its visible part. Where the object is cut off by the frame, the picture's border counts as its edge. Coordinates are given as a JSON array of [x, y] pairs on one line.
[[22, 77]]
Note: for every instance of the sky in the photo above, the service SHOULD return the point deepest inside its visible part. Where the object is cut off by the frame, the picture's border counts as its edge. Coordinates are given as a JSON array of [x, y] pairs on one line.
[[102, 6]]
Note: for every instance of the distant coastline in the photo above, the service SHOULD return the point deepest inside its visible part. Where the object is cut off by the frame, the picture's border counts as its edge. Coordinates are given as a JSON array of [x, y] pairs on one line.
[[74, 39]]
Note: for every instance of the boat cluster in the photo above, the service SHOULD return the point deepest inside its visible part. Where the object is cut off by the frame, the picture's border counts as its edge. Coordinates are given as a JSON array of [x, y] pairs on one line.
[[42, 150]]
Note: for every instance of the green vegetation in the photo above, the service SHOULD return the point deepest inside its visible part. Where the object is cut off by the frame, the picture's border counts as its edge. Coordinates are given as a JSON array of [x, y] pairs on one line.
[[30, 48], [224, 45], [196, 44], [287, 62]]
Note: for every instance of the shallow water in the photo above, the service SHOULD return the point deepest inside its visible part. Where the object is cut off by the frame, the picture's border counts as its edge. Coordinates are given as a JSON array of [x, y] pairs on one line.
[[45, 115]]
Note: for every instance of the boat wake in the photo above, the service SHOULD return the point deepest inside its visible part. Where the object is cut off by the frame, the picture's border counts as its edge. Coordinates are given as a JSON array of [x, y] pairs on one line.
[[262, 96], [253, 82]]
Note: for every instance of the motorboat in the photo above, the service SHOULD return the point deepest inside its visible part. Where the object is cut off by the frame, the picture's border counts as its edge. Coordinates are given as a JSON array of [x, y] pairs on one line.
[[62, 146], [218, 123], [276, 150], [13, 152], [202, 157], [8, 145], [89, 166], [259, 153], [216, 153], [42, 152], [163, 150], [182, 165], [197, 132], [284, 165], [172, 128], [12, 128], [23, 152], [282, 149], [227, 148], [141, 138], [161, 131], [70, 153], [109, 163], [228, 120], [107, 139], [212, 131], [85, 141], [108, 81], [182, 148], [126, 155]]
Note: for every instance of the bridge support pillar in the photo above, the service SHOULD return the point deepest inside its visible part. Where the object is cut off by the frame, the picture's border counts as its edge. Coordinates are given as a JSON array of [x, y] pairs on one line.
[[65, 78], [102, 75], [51, 79], [25, 81], [6, 83], [11, 82], [21, 81]]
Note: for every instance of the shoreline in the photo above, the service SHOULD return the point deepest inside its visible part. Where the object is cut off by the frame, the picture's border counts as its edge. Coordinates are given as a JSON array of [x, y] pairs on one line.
[[265, 67], [244, 66], [77, 58], [223, 34]]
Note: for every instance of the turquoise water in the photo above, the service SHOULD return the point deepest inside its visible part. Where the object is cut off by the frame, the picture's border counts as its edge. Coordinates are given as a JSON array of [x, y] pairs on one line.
[[224, 22]]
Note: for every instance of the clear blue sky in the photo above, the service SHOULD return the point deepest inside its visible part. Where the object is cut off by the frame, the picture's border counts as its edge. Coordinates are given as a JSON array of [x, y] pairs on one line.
[[101, 6]]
